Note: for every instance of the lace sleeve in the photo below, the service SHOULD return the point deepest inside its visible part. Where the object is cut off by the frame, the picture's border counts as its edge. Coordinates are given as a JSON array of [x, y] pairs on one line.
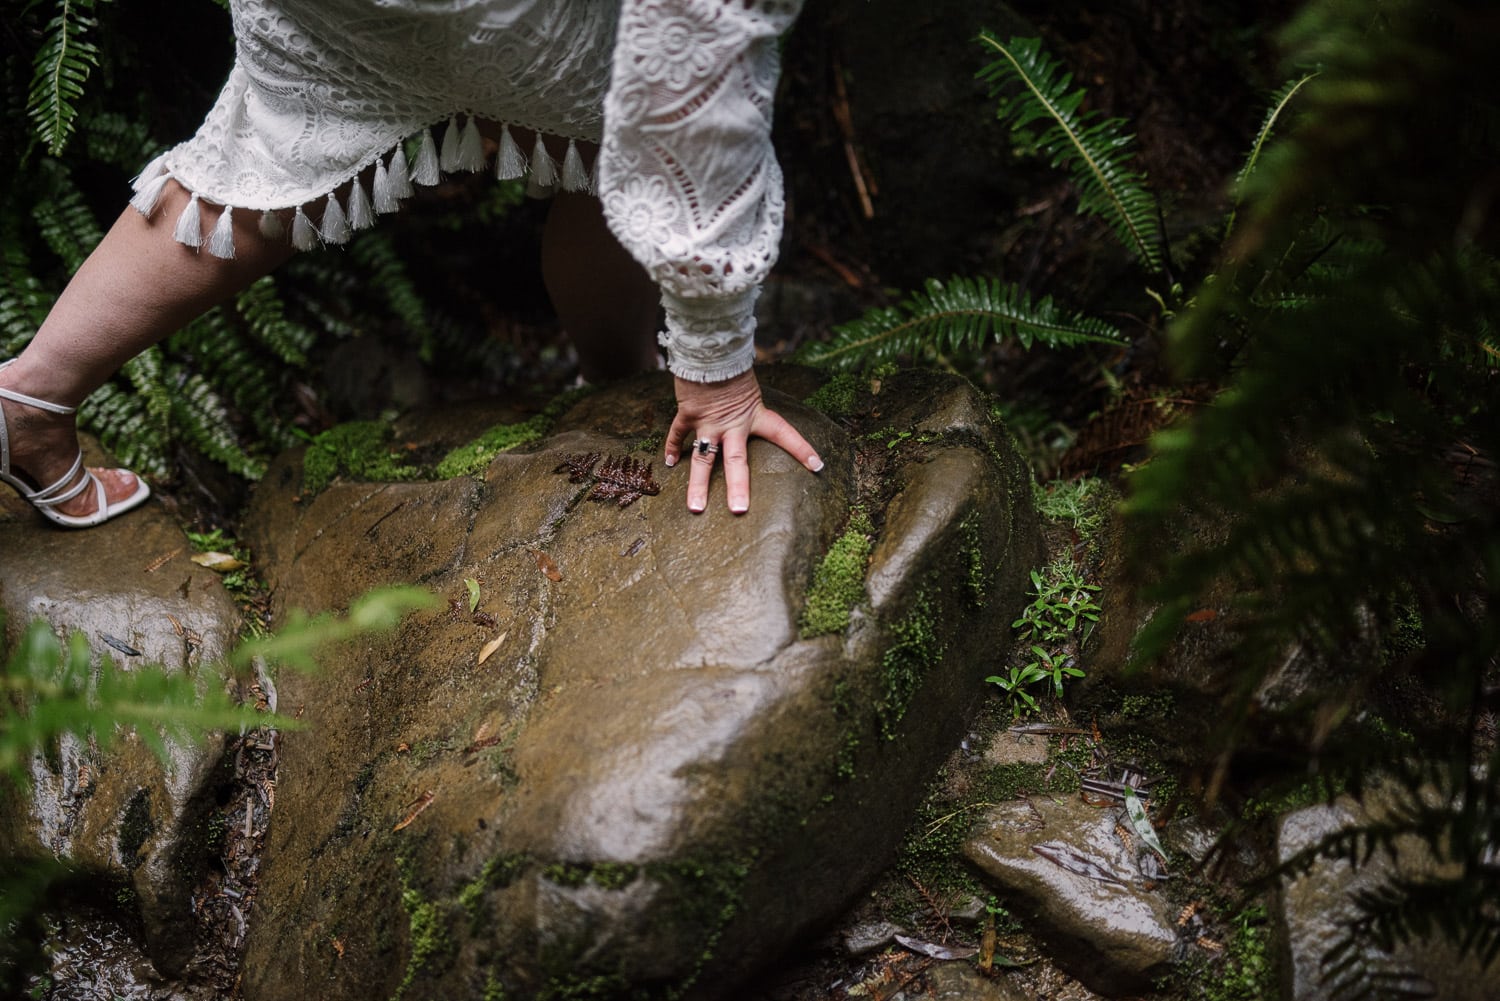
[[687, 175]]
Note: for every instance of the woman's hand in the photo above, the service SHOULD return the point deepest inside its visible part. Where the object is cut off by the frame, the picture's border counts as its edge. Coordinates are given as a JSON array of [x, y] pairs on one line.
[[726, 414]]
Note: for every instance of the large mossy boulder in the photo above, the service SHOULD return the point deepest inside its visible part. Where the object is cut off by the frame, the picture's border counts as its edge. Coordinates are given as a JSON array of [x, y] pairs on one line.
[[638, 765]]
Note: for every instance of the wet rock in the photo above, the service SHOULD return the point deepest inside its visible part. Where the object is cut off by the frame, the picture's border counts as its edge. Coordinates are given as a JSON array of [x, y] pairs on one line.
[[1316, 906], [869, 936], [123, 816], [1099, 919], [960, 981], [653, 783]]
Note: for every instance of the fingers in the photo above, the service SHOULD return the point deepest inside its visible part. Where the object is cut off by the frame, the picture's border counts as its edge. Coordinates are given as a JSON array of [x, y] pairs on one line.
[[778, 431], [676, 434], [700, 472], [737, 472]]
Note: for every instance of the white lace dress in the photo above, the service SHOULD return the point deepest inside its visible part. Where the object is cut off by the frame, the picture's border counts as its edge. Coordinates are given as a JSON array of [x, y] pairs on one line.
[[676, 93]]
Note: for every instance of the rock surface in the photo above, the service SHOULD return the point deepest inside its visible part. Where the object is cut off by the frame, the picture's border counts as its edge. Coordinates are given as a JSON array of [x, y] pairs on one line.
[[1100, 919], [123, 816], [650, 783], [1316, 906]]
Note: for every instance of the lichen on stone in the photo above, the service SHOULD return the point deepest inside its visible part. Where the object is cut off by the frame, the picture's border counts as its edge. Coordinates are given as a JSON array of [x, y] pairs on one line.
[[839, 581]]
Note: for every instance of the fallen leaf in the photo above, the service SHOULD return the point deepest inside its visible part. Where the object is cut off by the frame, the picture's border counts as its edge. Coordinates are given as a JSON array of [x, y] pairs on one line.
[[545, 565], [1203, 615], [120, 645], [937, 951], [1136, 810], [176, 626], [403, 747], [338, 947], [491, 647], [473, 586], [217, 562], [417, 805]]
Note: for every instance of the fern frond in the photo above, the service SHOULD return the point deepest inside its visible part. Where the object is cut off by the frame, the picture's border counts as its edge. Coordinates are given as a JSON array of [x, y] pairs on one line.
[[1279, 103], [1033, 87], [375, 251], [264, 311], [203, 419], [60, 69], [63, 219], [119, 140], [126, 428], [964, 313], [23, 301], [226, 358]]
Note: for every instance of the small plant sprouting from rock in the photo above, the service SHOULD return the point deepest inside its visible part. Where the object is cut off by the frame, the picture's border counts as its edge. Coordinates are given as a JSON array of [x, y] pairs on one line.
[[618, 478], [1050, 631]]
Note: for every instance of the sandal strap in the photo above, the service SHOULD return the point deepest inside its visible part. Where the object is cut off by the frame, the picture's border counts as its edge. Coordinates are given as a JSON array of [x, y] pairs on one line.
[[55, 495], [32, 401]]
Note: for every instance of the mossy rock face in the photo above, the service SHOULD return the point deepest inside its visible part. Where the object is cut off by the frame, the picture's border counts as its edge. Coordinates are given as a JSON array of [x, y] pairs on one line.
[[652, 782]]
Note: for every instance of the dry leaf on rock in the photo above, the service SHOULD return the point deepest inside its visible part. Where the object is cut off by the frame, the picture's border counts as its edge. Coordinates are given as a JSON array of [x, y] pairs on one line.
[[491, 647], [545, 565], [421, 803], [218, 562]]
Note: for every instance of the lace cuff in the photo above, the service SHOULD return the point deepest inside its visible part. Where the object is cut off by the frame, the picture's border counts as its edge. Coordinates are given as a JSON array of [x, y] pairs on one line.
[[710, 339]]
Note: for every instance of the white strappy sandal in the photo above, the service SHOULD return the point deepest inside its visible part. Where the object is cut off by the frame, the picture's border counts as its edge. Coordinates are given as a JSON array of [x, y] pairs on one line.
[[47, 500]]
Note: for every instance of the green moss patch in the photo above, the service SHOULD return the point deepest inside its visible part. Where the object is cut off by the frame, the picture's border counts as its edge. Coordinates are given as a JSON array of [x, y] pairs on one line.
[[915, 648], [839, 581], [473, 458], [836, 397], [361, 450]]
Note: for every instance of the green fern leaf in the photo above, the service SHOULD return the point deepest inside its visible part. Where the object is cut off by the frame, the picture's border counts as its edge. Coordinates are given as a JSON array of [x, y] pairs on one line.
[[1279, 103], [1032, 87], [205, 422], [964, 313], [64, 219], [60, 69], [23, 301], [263, 310]]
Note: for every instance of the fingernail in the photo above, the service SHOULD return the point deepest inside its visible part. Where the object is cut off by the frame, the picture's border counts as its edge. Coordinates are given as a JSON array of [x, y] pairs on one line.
[[670, 461], [695, 506], [739, 506], [815, 464]]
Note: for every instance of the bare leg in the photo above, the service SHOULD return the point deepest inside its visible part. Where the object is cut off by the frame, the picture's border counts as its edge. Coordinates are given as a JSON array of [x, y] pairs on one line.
[[605, 300], [138, 286]]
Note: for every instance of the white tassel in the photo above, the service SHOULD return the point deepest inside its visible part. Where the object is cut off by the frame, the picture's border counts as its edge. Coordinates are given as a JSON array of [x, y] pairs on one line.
[[543, 167], [400, 174], [449, 159], [146, 197], [426, 170], [221, 241], [385, 200], [361, 216], [189, 232], [271, 226], [510, 164], [471, 148], [304, 237], [150, 172], [574, 177], [335, 228]]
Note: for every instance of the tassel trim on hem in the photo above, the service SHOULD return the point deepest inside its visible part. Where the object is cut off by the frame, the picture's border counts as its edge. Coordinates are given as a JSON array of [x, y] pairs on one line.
[[393, 179]]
